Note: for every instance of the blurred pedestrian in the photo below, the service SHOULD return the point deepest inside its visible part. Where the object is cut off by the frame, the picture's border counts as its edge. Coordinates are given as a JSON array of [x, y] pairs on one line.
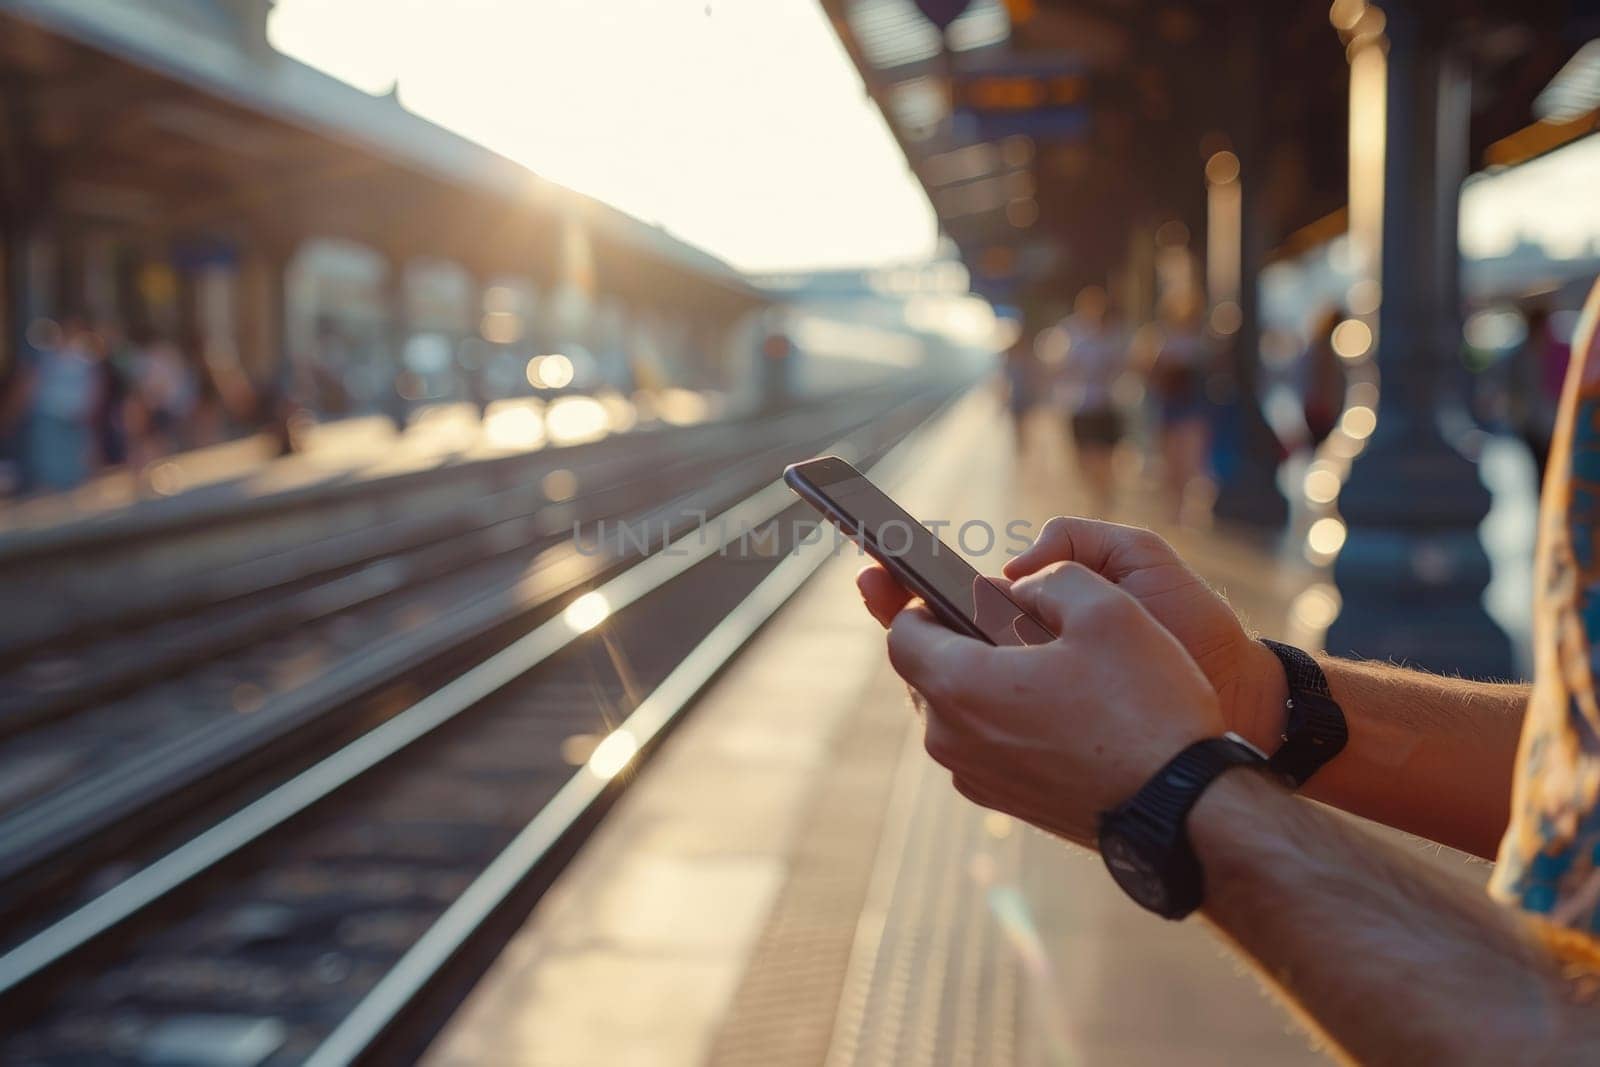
[[396, 399], [1323, 378], [62, 388], [331, 360], [1178, 382], [1095, 357], [207, 422], [1535, 377], [474, 384], [1022, 387], [165, 390], [774, 371], [110, 418], [276, 413], [13, 405]]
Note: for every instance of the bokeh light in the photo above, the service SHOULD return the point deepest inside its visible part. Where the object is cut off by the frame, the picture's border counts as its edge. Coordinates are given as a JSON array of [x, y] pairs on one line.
[[1326, 536], [559, 485], [1226, 318], [574, 419], [1322, 484], [1359, 422], [1222, 168], [1352, 339], [612, 755], [588, 611], [1363, 395], [514, 424], [1316, 607], [1364, 297], [554, 371]]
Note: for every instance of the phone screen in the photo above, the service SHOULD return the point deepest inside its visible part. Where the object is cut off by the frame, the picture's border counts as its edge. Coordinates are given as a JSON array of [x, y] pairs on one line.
[[925, 564]]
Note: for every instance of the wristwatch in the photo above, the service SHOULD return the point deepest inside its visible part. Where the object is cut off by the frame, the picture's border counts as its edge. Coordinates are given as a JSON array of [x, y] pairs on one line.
[[1145, 843], [1315, 731]]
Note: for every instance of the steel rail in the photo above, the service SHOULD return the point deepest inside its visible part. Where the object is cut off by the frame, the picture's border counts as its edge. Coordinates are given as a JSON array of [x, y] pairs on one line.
[[58, 942], [388, 1003], [67, 818]]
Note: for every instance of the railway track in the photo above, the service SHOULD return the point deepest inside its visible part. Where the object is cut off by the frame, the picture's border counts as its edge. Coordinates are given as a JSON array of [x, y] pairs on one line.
[[251, 685], [324, 919], [141, 567]]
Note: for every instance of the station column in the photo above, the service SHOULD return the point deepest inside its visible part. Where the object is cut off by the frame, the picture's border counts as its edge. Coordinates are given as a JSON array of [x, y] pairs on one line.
[[397, 313], [1412, 571], [20, 294], [1249, 492], [263, 308]]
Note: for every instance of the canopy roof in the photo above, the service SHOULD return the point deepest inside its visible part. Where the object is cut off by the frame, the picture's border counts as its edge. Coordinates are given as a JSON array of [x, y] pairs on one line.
[[153, 123], [1075, 121]]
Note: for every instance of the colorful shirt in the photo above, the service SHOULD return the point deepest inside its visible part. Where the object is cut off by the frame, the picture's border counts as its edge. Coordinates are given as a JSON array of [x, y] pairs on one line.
[[1550, 856]]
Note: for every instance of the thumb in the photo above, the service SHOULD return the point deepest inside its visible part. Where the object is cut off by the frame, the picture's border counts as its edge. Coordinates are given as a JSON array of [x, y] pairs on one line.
[[926, 653]]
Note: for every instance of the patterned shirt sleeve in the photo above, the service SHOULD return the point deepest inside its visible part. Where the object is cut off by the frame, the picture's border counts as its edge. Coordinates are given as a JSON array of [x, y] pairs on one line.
[[1549, 859]]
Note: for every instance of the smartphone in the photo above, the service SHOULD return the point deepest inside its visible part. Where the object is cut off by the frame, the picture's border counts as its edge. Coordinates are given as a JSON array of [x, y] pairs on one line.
[[959, 596]]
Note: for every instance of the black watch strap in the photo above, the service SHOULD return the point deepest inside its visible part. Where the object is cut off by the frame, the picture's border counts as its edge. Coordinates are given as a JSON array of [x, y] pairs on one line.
[[1315, 731], [1146, 837]]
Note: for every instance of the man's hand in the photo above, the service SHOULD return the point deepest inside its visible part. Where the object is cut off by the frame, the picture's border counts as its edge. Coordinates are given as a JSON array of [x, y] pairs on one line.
[[1431, 756], [1246, 677], [1057, 733]]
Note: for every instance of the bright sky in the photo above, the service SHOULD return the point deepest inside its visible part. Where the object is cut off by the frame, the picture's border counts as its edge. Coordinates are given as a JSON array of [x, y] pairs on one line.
[[1550, 201], [739, 125]]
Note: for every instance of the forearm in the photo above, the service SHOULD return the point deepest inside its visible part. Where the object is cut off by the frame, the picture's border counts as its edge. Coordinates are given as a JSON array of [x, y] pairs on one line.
[[1429, 755], [1391, 960]]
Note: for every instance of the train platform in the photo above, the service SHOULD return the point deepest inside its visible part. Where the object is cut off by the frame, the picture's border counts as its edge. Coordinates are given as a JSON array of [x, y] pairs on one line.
[[792, 881], [329, 456]]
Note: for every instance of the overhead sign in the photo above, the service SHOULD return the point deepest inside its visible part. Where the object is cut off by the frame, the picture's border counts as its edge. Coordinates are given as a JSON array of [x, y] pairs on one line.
[[1020, 92], [1041, 97]]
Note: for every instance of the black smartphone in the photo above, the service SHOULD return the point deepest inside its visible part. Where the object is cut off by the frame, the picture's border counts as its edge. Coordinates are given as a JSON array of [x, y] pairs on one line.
[[959, 596]]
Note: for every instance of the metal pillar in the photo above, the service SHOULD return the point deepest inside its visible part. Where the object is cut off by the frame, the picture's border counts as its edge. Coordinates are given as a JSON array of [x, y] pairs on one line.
[[20, 299], [398, 305], [68, 269], [263, 336], [27, 213], [1249, 493], [1412, 571]]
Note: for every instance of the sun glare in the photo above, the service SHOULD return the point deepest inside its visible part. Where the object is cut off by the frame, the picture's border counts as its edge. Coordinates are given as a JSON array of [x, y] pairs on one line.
[[739, 125]]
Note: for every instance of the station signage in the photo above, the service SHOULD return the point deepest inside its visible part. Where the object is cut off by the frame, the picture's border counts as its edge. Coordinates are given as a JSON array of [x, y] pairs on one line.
[[1044, 98]]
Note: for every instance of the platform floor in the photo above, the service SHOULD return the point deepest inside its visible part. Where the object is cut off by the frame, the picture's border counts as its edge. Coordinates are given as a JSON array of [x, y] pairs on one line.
[[792, 882]]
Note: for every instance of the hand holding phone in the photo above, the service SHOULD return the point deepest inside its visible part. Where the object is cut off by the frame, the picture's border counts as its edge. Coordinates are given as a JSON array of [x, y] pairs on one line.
[[958, 595]]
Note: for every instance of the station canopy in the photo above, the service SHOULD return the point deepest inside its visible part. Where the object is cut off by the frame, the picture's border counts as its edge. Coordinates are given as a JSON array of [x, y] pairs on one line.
[[1046, 131], [121, 116]]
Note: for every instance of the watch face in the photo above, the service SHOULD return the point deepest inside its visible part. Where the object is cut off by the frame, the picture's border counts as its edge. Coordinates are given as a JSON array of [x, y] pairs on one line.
[[1133, 872]]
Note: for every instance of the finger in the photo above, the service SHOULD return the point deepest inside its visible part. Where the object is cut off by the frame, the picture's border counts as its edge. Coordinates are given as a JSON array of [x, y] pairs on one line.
[[884, 597], [995, 614], [1107, 548], [1054, 594], [934, 659]]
